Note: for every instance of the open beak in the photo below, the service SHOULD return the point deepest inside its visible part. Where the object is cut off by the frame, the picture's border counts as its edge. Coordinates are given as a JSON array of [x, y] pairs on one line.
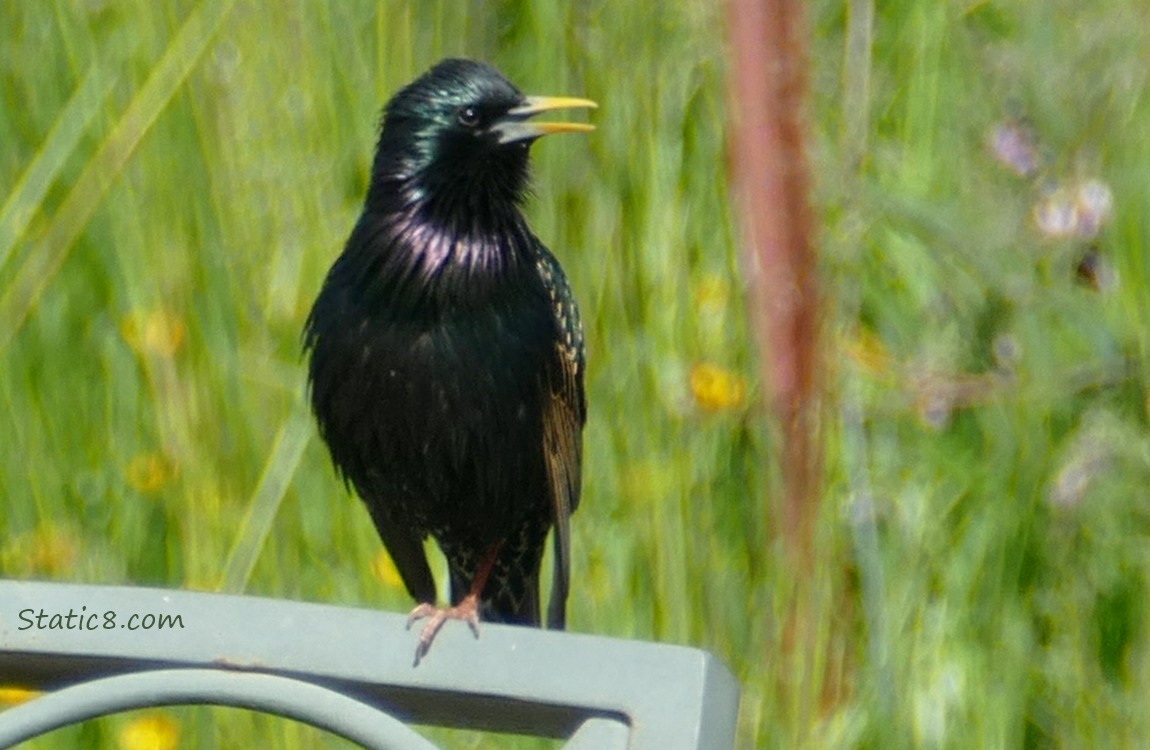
[[516, 125]]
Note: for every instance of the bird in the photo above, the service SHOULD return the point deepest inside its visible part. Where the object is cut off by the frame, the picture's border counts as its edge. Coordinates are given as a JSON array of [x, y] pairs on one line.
[[446, 354]]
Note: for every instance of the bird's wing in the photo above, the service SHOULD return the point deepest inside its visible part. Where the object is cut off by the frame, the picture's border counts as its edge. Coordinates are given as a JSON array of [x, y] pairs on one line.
[[564, 413], [562, 443]]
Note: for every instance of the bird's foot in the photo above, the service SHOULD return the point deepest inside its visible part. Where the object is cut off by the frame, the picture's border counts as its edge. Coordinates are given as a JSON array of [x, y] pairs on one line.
[[467, 611]]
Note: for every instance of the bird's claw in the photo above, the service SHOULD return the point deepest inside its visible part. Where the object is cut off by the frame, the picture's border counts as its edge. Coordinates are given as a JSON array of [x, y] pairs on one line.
[[467, 610], [423, 610]]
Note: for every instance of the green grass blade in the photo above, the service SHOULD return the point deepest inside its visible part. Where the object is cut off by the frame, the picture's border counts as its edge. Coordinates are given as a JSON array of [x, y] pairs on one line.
[[277, 475], [45, 260], [28, 193]]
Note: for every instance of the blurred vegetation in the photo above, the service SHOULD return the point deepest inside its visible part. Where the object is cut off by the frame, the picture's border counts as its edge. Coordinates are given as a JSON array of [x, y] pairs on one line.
[[177, 177]]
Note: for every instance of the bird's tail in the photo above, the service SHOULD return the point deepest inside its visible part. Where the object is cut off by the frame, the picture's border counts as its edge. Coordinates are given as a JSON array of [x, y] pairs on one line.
[[511, 595], [557, 606]]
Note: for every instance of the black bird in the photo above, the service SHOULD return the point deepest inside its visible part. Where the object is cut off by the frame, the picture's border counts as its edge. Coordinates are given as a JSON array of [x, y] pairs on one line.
[[447, 357]]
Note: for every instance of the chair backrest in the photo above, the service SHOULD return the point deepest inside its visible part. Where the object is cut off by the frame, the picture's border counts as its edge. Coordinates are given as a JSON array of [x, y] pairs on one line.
[[103, 649]]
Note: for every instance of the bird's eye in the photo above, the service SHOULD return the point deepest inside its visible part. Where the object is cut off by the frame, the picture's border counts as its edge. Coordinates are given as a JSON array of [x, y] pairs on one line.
[[468, 116]]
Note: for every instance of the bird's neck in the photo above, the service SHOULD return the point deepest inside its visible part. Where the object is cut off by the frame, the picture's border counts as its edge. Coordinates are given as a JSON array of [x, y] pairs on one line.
[[461, 194], [441, 254]]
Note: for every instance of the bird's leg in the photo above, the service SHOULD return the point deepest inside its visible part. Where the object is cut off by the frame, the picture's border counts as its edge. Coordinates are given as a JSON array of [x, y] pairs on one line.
[[467, 610]]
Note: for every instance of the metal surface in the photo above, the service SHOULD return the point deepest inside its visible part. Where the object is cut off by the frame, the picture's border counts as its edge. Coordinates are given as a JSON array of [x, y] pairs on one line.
[[593, 690], [282, 696]]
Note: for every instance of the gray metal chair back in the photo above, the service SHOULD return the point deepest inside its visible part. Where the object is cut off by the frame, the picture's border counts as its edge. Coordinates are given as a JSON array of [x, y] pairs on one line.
[[346, 670]]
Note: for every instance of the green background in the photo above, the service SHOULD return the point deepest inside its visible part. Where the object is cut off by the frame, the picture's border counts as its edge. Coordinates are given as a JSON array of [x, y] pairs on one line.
[[176, 178]]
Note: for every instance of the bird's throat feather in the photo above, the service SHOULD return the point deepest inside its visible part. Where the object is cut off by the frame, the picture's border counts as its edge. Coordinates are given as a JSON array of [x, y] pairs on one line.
[[408, 260]]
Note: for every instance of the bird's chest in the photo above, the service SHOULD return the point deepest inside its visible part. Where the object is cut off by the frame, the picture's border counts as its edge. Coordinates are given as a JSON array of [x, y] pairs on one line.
[[448, 413], [466, 377]]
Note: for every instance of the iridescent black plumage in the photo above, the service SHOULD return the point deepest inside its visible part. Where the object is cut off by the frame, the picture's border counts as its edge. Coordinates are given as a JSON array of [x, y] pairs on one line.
[[446, 353]]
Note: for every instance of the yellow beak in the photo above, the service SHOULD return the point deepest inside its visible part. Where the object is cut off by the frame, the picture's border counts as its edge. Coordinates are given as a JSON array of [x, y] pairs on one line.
[[514, 125]]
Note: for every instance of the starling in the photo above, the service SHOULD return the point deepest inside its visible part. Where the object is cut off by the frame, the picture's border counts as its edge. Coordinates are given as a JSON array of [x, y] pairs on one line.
[[446, 353]]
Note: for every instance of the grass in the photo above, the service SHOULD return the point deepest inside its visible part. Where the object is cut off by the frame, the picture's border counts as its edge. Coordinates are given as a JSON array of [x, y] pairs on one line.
[[180, 176]]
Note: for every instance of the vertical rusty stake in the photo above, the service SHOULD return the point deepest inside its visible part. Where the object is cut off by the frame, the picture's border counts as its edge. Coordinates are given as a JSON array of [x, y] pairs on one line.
[[771, 189], [771, 186]]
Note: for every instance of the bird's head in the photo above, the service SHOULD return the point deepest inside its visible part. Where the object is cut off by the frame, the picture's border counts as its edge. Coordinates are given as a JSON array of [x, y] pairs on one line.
[[454, 142]]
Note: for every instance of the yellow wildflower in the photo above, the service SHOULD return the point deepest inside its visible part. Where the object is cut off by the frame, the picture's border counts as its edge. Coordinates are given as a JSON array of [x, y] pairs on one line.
[[716, 389], [47, 551], [157, 332], [869, 352], [712, 293], [152, 731], [13, 696], [383, 567], [55, 551], [149, 472]]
